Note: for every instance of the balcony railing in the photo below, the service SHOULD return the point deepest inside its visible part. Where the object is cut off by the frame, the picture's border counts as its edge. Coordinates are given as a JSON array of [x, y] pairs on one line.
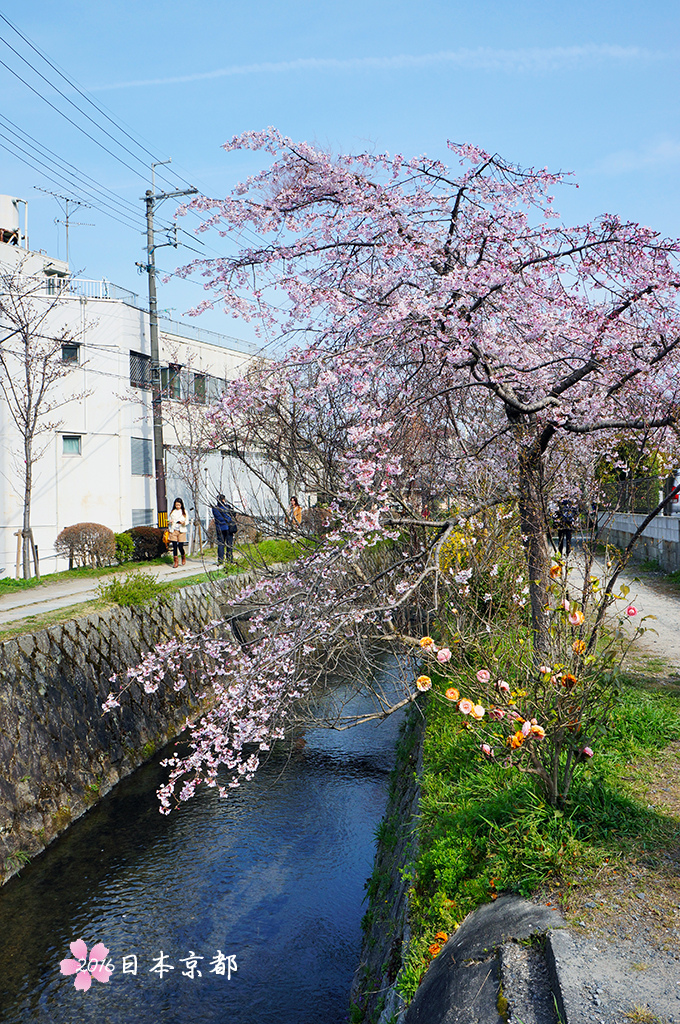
[[89, 289]]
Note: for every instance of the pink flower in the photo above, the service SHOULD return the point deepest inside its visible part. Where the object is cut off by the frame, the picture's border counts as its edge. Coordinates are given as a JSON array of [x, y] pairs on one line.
[[576, 617], [486, 750], [631, 610], [483, 676], [503, 686], [526, 728], [587, 752], [497, 713], [465, 706], [85, 970], [443, 655]]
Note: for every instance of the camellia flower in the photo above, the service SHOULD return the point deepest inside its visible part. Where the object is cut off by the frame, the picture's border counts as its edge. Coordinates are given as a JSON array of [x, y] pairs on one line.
[[569, 680], [576, 617], [631, 610], [465, 706], [427, 643], [443, 655], [452, 693], [486, 750], [526, 729], [423, 683], [477, 712], [435, 949], [538, 730], [483, 676], [566, 605], [544, 669], [441, 937], [503, 686], [587, 752], [578, 646], [516, 741], [555, 570], [81, 966], [497, 713]]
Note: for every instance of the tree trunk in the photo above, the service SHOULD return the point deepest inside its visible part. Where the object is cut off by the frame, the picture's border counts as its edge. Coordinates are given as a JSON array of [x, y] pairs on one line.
[[534, 527], [26, 540]]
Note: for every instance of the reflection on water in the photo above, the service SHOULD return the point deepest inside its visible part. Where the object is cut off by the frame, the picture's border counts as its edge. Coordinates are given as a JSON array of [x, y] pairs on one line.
[[273, 876]]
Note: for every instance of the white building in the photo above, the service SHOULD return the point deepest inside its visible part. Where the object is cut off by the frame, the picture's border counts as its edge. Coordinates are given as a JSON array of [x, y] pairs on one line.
[[97, 457]]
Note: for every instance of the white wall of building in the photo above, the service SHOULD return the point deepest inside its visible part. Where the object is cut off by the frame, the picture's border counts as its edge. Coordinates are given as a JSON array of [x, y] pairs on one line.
[[96, 483]]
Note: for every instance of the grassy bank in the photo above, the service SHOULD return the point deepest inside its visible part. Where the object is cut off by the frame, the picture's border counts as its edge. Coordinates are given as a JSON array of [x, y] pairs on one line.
[[484, 830]]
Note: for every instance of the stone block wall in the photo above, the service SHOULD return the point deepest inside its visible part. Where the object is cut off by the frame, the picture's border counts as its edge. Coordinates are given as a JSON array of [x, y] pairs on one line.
[[660, 542], [58, 753]]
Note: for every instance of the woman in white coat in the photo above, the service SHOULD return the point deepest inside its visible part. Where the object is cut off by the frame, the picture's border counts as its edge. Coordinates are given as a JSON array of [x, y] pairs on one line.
[[177, 530]]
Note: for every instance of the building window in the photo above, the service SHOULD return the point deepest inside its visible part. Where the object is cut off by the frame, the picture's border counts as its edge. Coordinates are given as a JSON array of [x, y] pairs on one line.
[[71, 444], [199, 387], [142, 517], [70, 353], [141, 456], [215, 388], [140, 370], [171, 381]]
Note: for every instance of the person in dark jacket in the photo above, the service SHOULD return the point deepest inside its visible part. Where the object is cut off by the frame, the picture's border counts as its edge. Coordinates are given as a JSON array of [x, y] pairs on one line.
[[225, 528]]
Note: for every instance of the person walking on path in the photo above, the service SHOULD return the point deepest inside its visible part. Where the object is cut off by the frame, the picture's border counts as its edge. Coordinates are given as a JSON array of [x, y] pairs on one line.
[[295, 512], [566, 519], [177, 531], [225, 528]]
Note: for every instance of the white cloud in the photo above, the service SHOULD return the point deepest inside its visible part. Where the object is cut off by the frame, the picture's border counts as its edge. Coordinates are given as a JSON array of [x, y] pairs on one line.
[[535, 59], [664, 153]]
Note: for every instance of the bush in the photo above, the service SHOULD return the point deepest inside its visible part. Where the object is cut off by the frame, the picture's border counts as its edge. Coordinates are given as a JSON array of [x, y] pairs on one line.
[[148, 542], [86, 544], [125, 547], [135, 588]]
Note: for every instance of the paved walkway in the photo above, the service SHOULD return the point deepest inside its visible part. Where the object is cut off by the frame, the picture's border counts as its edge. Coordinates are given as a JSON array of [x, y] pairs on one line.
[[653, 596], [50, 596]]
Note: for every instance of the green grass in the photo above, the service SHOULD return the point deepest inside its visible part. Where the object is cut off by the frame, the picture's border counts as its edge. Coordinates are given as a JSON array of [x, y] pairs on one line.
[[485, 830]]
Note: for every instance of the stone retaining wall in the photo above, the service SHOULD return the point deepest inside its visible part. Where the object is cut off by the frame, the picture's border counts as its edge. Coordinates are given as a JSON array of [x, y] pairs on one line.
[[660, 542], [58, 753], [374, 1000]]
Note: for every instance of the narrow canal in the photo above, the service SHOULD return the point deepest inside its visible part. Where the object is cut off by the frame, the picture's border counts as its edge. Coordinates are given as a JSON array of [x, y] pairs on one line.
[[272, 877]]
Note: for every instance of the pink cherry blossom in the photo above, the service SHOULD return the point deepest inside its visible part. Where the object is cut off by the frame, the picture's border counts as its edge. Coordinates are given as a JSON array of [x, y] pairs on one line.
[[85, 970]]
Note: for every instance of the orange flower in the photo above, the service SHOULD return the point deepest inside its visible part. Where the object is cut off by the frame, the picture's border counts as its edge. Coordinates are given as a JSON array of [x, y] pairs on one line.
[[569, 681], [477, 712], [452, 694], [441, 937], [426, 643], [555, 570], [538, 730], [578, 646], [423, 683], [515, 741], [435, 949]]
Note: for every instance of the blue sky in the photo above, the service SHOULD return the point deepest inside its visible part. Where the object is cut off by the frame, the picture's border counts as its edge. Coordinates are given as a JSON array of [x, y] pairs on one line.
[[589, 87]]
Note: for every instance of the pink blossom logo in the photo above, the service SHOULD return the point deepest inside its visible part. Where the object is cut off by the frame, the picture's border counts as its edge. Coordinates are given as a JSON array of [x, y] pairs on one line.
[[86, 969]]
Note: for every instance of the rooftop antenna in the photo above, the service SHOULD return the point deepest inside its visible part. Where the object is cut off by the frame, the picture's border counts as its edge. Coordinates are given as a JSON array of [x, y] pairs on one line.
[[67, 214]]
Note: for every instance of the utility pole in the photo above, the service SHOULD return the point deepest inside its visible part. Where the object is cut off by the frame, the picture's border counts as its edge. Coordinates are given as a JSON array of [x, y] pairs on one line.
[[151, 198]]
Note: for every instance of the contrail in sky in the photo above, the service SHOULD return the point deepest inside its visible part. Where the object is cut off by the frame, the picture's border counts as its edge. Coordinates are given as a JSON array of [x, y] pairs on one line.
[[552, 58]]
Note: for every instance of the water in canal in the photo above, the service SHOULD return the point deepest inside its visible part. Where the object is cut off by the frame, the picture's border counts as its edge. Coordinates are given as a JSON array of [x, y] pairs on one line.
[[272, 877]]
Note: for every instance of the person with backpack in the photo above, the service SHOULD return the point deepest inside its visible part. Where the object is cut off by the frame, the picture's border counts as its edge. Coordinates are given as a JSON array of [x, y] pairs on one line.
[[225, 528]]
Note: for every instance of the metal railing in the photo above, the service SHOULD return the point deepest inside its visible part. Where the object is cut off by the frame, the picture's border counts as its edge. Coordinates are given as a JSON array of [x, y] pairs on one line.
[[85, 288]]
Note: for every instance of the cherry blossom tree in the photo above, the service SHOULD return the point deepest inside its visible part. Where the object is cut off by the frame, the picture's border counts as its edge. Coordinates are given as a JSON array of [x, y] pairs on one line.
[[464, 344]]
